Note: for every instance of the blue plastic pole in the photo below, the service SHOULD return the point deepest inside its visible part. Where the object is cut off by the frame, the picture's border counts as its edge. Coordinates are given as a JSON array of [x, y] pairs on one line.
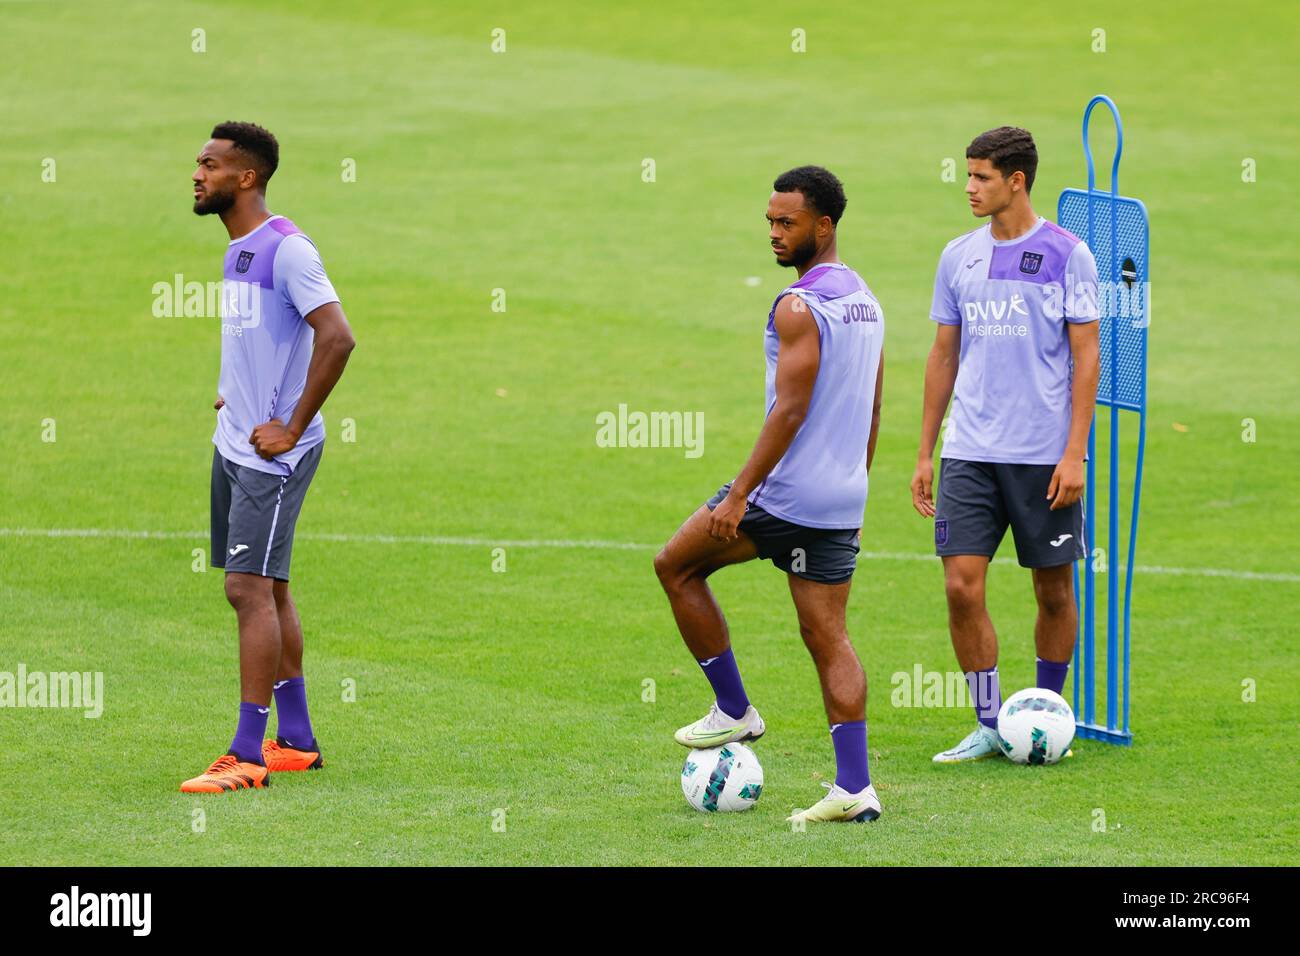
[[1112, 536]]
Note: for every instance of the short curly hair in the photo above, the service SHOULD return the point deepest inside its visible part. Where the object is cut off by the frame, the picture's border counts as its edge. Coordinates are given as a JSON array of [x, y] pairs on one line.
[[821, 189], [258, 144], [1009, 149]]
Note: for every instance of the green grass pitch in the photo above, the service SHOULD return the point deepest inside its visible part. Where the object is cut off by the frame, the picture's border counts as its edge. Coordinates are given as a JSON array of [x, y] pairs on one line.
[[480, 691]]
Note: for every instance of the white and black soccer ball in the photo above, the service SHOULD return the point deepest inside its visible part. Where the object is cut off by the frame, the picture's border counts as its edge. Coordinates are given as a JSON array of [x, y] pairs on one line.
[[1035, 726], [721, 779]]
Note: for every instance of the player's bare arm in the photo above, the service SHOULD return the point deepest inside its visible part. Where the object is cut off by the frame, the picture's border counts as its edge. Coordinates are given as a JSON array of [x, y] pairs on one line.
[[798, 358], [334, 343], [940, 377], [875, 410], [1067, 480]]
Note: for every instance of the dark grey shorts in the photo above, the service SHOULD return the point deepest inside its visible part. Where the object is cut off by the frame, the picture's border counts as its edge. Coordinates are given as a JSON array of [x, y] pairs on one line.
[[254, 513], [978, 499], [814, 554]]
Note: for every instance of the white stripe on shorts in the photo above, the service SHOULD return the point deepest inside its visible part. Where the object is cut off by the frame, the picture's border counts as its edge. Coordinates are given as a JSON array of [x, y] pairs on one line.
[[270, 539]]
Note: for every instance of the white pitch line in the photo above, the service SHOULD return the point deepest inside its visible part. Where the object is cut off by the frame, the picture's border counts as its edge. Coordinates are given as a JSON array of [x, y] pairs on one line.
[[595, 544]]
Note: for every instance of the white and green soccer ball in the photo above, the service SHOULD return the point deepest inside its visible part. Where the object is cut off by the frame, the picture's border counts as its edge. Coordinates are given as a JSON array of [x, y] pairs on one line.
[[721, 779], [1035, 726]]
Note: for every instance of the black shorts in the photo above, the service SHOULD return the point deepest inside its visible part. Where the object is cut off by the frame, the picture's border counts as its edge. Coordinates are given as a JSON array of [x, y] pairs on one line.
[[254, 513], [827, 556], [978, 499]]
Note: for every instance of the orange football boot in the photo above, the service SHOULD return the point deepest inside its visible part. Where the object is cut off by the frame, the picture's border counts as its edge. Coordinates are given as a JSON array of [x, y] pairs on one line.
[[280, 755], [229, 773]]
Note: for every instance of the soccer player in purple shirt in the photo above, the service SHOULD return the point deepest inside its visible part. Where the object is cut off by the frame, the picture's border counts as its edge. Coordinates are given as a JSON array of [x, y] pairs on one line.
[[799, 499], [1015, 303], [284, 343]]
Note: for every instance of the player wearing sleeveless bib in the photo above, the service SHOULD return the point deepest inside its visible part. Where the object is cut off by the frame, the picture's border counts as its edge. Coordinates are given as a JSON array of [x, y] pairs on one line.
[[799, 499]]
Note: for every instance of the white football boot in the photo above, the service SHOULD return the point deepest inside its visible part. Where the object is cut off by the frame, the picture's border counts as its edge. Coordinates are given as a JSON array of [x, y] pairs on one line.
[[715, 729], [840, 806], [980, 743]]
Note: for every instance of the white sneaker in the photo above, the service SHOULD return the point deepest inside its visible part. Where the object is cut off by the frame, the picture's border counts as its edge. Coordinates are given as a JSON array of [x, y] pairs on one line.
[[840, 806], [716, 728], [980, 743]]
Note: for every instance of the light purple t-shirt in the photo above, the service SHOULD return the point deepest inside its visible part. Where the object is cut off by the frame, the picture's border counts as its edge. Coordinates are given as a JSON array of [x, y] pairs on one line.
[[1013, 299], [821, 480], [272, 277]]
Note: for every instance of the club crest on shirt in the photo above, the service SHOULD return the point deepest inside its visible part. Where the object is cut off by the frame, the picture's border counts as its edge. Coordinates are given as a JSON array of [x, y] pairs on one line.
[[941, 532], [246, 260], [1030, 263]]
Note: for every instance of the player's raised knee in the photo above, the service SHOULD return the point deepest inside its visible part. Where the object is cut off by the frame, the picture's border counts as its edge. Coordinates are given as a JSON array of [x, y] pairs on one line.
[[666, 568]]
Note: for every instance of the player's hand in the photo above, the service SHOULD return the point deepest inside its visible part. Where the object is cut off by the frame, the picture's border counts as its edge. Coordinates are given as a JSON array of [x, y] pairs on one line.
[[724, 520], [1066, 486], [272, 438], [219, 403], [923, 488]]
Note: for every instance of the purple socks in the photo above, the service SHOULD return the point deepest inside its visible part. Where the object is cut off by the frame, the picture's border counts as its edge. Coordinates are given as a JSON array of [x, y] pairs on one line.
[[1052, 675], [986, 694], [247, 745], [291, 712], [727, 687], [850, 741]]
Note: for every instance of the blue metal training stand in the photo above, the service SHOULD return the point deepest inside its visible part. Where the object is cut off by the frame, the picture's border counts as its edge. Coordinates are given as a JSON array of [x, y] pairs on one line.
[[1115, 228]]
